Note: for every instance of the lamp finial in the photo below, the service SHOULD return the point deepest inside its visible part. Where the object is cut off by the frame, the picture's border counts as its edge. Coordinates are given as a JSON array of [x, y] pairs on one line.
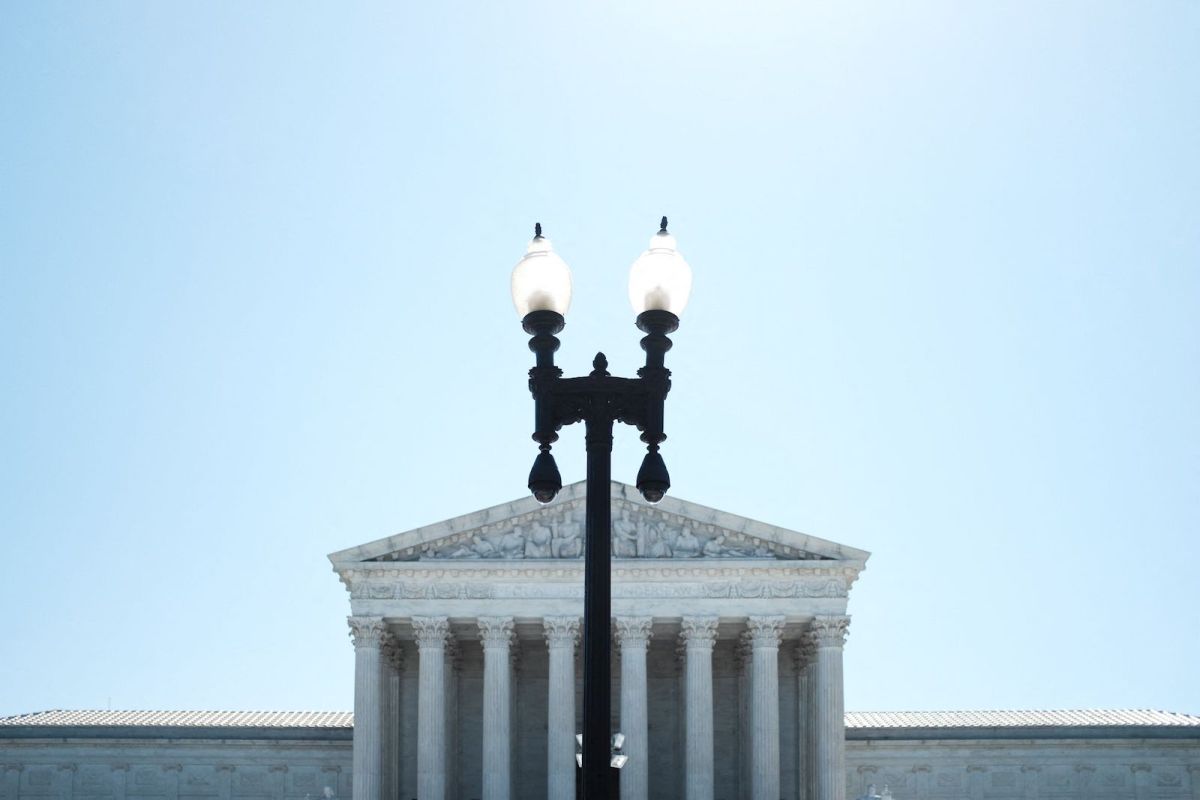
[[537, 230], [663, 228]]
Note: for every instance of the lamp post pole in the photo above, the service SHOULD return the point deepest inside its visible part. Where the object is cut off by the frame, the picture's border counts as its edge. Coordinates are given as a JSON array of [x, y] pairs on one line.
[[598, 400]]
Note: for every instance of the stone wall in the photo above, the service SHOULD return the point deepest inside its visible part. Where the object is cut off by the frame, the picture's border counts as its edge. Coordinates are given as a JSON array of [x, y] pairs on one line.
[[1016, 769], [73, 768], [83, 767]]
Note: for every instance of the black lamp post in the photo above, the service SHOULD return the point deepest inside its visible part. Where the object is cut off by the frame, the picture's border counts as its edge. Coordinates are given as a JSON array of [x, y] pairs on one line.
[[659, 284]]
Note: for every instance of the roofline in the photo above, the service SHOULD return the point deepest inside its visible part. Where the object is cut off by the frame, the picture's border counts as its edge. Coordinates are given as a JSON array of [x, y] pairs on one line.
[[193, 732], [346, 733], [1040, 732]]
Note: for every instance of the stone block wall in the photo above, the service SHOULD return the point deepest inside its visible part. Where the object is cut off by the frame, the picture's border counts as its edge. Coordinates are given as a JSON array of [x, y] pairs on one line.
[[1066, 769], [82, 767], [170, 769]]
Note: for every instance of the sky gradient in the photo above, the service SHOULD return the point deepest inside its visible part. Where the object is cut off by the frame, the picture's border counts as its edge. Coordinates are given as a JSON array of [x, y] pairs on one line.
[[254, 309]]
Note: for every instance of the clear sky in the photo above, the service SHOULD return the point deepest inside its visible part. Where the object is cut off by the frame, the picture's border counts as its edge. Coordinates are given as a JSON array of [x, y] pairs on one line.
[[254, 309]]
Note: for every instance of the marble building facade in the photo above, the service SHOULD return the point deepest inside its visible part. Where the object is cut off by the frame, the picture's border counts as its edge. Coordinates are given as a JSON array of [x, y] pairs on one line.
[[727, 667]]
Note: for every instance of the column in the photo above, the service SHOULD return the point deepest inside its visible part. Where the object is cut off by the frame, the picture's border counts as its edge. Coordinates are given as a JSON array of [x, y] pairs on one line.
[[765, 634], [633, 633], [745, 719], [393, 665], [496, 634], [804, 653], [453, 666], [699, 634], [829, 710], [562, 636], [431, 707], [368, 729]]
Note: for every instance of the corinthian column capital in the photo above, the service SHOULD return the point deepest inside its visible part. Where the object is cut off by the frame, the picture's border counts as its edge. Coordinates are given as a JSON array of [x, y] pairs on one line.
[[829, 631], [392, 653], [431, 631], [804, 653], [765, 631], [366, 631], [561, 631], [633, 631], [495, 631], [698, 633]]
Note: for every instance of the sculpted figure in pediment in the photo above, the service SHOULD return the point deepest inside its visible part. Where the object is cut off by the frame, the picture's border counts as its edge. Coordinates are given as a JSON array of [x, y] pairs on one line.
[[567, 543], [537, 543], [716, 548], [512, 544], [464, 550], [626, 537], [655, 537], [482, 547], [686, 544]]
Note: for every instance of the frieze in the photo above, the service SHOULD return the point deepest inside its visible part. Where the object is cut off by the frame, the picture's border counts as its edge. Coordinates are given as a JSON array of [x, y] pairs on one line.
[[729, 580], [637, 533], [752, 589]]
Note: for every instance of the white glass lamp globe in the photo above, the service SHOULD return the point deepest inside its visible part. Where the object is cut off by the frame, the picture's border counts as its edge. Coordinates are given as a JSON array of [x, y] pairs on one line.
[[541, 281], [660, 280]]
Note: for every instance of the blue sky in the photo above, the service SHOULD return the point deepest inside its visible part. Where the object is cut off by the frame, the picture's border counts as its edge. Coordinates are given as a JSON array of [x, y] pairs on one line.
[[254, 309]]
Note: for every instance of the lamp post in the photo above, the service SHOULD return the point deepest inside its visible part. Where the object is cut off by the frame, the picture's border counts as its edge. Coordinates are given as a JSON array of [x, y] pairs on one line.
[[660, 282]]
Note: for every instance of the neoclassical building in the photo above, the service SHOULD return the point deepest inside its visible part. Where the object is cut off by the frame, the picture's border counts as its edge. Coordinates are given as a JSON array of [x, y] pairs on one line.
[[728, 636], [728, 639]]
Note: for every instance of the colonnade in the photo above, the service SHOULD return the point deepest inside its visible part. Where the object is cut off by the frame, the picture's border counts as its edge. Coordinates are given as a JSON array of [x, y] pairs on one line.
[[818, 662]]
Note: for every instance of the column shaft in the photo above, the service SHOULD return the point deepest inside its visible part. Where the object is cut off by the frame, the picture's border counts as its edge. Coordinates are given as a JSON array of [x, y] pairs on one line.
[[699, 635], [764, 779], [393, 664], [804, 655], [368, 718], [634, 634], [431, 707], [496, 633], [562, 635], [829, 634], [453, 662], [745, 716]]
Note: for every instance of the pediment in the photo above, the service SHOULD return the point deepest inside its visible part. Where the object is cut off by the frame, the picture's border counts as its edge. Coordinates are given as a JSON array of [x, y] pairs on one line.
[[671, 529]]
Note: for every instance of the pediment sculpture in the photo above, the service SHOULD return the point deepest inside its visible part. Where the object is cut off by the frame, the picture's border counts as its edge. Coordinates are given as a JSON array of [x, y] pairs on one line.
[[557, 533]]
